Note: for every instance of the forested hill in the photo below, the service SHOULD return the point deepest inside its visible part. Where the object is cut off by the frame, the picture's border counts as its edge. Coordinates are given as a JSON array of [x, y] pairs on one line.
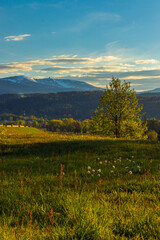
[[78, 105]]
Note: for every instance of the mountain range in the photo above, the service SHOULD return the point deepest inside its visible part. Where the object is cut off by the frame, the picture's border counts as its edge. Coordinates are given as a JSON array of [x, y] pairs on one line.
[[23, 84]]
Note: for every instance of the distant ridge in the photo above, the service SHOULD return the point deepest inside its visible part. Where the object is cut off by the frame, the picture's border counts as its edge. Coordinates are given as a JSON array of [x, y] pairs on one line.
[[78, 105], [26, 85]]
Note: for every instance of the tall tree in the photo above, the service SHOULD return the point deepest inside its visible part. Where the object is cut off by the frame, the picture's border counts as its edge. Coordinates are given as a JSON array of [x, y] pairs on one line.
[[118, 113]]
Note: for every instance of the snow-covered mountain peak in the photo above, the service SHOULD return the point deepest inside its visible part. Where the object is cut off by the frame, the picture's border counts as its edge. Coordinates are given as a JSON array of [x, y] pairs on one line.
[[19, 79], [23, 84]]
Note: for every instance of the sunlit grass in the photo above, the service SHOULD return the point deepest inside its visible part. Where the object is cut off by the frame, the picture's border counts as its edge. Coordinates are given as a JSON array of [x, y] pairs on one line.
[[77, 187]]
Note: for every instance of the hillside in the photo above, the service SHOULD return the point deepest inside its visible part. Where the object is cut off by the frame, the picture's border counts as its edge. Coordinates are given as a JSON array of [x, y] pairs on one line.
[[78, 105], [84, 187]]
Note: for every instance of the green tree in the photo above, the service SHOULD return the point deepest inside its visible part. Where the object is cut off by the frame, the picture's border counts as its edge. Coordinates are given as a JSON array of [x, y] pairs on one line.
[[118, 113]]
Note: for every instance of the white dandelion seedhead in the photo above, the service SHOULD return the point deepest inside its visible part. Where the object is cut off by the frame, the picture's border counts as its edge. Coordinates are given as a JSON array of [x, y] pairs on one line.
[[93, 170], [100, 162], [113, 166], [130, 172], [88, 172], [99, 170], [89, 167], [98, 175]]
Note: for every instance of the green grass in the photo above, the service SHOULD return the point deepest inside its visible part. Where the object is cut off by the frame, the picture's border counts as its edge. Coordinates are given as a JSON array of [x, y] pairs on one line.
[[77, 187]]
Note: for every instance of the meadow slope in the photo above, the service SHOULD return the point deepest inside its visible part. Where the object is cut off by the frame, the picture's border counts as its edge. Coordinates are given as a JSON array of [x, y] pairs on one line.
[[58, 187]]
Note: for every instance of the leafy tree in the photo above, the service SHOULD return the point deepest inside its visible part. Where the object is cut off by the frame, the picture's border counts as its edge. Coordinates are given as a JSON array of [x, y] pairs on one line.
[[118, 113], [55, 125]]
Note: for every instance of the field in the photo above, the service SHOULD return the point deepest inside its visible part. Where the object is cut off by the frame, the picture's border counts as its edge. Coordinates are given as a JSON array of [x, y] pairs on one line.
[[61, 187]]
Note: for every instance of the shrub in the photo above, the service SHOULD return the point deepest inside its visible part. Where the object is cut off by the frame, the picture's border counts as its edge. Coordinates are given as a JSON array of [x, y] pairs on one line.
[[153, 135]]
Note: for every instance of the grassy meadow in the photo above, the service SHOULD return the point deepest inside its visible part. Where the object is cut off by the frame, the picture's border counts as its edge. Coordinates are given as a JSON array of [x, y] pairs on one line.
[[61, 187]]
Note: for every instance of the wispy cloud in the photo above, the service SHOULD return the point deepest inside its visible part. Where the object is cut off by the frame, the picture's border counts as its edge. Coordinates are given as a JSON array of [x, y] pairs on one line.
[[93, 18], [104, 16], [84, 70], [14, 67], [146, 61], [60, 60], [17, 38], [38, 5]]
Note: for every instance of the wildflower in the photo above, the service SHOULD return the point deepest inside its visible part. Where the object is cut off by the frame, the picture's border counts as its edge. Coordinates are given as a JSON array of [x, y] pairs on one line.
[[100, 162], [130, 160], [113, 166], [98, 175], [63, 173], [111, 171], [130, 172], [99, 170], [105, 161], [126, 167], [138, 167], [115, 161], [88, 172], [89, 167], [93, 170], [132, 156]]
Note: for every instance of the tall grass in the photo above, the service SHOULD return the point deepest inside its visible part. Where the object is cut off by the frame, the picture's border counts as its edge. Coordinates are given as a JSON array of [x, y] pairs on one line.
[[78, 187]]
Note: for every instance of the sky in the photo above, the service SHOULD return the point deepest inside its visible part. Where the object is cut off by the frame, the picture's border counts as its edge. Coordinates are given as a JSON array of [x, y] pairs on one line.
[[84, 40]]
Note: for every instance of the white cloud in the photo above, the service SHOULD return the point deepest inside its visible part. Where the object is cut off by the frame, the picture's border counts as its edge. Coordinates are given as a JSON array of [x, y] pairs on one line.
[[14, 67], [139, 77], [147, 61], [17, 38]]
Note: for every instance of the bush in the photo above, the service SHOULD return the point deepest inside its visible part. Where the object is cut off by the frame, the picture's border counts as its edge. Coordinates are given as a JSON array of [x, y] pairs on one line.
[[153, 135]]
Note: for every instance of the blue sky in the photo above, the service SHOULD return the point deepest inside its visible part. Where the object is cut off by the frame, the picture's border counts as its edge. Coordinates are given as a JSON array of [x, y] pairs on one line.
[[84, 40]]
